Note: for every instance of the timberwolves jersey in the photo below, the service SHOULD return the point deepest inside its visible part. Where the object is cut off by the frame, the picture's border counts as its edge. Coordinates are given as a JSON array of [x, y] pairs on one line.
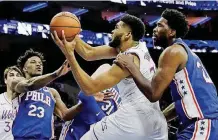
[[193, 91], [34, 119], [129, 92], [92, 112], [7, 116]]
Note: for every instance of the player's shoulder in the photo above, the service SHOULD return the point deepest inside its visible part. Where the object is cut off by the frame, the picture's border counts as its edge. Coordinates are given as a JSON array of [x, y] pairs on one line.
[[174, 50], [2, 98], [54, 93]]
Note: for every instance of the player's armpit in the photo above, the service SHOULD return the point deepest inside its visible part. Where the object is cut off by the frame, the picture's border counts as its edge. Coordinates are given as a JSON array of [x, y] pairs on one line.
[[90, 53], [169, 61]]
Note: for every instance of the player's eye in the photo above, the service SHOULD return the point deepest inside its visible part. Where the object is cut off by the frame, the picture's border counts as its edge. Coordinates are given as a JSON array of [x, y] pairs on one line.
[[11, 74]]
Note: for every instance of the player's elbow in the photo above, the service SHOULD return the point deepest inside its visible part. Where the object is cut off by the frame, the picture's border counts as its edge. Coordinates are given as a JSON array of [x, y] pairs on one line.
[[66, 117], [154, 98]]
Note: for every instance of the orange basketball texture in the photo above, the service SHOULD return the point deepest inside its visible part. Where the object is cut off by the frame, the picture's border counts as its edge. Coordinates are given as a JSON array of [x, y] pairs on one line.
[[65, 21]]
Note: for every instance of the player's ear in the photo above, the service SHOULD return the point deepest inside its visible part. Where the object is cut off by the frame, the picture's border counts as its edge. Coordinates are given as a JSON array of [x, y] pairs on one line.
[[128, 36], [5, 81], [172, 33], [24, 69]]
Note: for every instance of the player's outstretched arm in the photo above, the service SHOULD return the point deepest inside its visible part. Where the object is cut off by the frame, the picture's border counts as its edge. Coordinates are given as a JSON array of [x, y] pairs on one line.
[[169, 62], [88, 84], [24, 85], [90, 53], [85, 50], [170, 112], [61, 110]]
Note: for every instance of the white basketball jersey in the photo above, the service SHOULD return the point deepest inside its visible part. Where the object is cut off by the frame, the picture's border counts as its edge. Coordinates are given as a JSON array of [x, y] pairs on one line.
[[130, 94], [7, 116]]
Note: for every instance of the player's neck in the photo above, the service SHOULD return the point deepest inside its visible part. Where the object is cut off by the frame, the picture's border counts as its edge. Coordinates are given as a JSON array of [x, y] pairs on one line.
[[9, 94], [127, 45], [27, 76]]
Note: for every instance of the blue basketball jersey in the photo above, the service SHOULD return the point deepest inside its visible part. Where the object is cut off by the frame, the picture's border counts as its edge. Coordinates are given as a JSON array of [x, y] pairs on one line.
[[92, 112], [34, 119], [193, 91]]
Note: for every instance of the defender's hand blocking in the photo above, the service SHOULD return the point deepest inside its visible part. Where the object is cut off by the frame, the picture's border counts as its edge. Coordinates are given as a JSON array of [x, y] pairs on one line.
[[64, 45], [124, 60], [64, 69], [101, 97]]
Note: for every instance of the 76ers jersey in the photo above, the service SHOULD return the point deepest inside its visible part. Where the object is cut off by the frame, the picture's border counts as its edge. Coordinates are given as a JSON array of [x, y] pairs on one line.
[[193, 91], [6, 118], [91, 113], [34, 119]]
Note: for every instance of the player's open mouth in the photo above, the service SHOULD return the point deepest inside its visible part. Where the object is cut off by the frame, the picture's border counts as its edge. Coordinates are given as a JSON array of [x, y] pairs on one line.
[[39, 69], [154, 36]]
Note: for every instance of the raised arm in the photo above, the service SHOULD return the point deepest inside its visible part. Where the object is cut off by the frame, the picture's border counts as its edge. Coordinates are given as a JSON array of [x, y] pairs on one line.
[[170, 60], [24, 85], [103, 81], [86, 51], [90, 53]]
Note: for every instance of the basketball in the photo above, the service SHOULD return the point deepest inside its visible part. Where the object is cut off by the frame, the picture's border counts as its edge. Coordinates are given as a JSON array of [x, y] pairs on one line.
[[65, 21]]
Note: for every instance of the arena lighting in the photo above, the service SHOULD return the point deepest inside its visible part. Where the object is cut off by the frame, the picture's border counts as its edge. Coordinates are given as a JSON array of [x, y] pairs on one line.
[[119, 1], [35, 7], [81, 36], [89, 42], [79, 12], [99, 35], [116, 17], [142, 3], [151, 23], [202, 21], [214, 51]]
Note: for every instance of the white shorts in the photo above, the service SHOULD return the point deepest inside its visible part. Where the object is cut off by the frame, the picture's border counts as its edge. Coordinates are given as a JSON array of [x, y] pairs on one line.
[[138, 122]]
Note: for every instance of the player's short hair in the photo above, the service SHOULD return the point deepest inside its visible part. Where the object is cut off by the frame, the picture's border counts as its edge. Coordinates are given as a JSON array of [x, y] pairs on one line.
[[177, 21], [136, 25], [29, 53], [8, 69]]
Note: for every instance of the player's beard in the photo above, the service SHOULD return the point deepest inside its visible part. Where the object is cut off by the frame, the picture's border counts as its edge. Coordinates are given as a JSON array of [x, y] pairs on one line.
[[115, 43], [161, 41]]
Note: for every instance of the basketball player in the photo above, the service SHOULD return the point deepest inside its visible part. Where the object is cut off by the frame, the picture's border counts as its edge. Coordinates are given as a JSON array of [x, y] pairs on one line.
[[92, 111], [7, 114], [137, 113], [36, 102], [193, 92]]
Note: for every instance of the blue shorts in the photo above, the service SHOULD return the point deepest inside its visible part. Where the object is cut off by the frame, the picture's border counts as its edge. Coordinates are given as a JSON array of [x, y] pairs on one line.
[[202, 129]]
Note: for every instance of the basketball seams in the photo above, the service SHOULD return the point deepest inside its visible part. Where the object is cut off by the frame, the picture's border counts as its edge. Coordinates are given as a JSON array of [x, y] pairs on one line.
[[73, 26], [65, 26], [69, 17]]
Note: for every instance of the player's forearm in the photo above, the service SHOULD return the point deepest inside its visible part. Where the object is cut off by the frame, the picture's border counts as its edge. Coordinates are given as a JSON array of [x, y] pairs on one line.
[[170, 112], [90, 53], [85, 82], [72, 112], [35, 82]]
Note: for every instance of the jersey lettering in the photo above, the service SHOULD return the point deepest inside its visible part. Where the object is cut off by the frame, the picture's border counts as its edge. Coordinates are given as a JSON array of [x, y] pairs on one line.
[[204, 72], [36, 111], [38, 96]]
